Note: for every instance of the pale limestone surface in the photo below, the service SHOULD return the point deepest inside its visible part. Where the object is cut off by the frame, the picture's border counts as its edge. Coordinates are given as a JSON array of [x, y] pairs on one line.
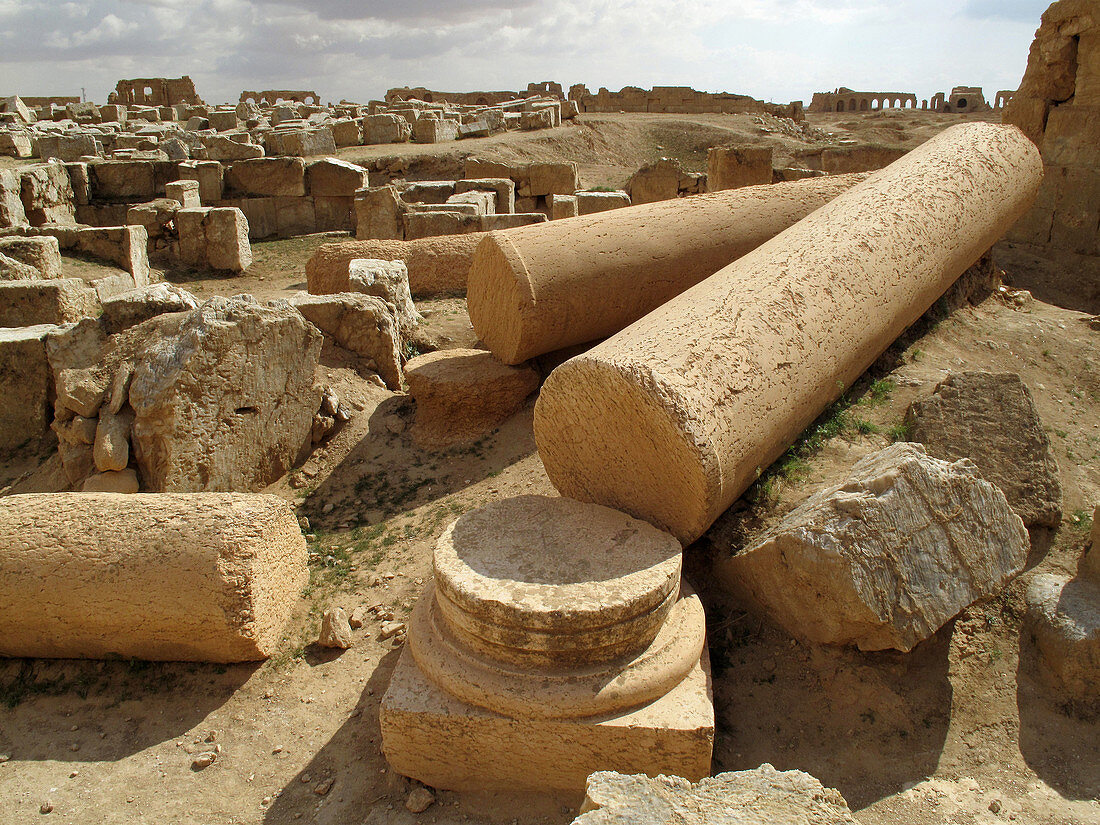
[[991, 419], [388, 280], [674, 417], [41, 252], [887, 557], [25, 377], [206, 577], [363, 324], [541, 288], [437, 266], [763, 796], [1064, 616], [226, 400], [463, 394]]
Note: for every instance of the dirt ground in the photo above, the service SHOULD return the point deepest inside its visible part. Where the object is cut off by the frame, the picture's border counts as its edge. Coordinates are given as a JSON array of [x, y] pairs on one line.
[[964, 729]]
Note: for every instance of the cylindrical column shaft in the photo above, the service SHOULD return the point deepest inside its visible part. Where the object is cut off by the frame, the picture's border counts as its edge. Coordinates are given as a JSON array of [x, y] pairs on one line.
[[179, 577], [674, 417], [543, 287]]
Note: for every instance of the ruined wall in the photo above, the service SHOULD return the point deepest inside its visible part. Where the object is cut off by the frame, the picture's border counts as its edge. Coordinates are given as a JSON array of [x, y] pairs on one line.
[[547, 88], [36, 102], [675, 99], [845, 100], [1058, 107], [270, 97], [155, 91]]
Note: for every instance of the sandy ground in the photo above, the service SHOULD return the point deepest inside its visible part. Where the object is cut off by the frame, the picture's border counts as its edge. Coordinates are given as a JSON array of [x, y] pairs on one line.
[[964, 729]]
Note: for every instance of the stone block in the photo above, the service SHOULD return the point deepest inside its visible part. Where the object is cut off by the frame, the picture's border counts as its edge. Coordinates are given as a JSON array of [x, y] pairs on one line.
[[334, 214], [122, 180], [478, 169], [1064, 618], [185, 192], [429, 224], [491, 223], [47, 194], [279, 176], [295, 216], [430, 191], [360, 323], [562, 206], [11, 203], [886, 558], [126, 246], [537, 119], [67, 147], [41, 252], [227, 246], [60, 301], [735, 166], [209, 174], [25, 381], [379, 213], [223, 121], [427, 130], [386, 128], [589, 203], [120, 312], [388, 280], [330, 177], [302, 142], [553, 179], [221, 148], [504, 189], [261, 214], [990, 418], [484, 203], [1072, 136], [221, 589], [16, 143], [346, 132]]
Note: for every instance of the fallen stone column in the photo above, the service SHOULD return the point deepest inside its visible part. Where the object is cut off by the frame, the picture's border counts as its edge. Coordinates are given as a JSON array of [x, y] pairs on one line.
[[673, 418], [188, 577], [437, 266], [545, 287]]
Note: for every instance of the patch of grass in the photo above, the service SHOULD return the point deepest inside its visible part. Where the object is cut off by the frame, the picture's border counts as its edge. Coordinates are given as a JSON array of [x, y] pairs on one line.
[[1081, 520], [899, 432]]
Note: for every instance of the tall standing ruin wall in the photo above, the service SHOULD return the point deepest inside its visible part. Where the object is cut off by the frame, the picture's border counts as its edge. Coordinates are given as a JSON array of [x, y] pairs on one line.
[[676, 100]]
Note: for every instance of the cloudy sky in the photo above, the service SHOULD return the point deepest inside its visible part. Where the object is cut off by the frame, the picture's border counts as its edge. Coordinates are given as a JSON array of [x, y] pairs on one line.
[[778, 50]]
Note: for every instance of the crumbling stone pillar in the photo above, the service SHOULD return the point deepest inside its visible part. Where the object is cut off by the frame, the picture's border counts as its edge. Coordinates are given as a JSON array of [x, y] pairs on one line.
[[541, 288], [79, 578], [674, 417]]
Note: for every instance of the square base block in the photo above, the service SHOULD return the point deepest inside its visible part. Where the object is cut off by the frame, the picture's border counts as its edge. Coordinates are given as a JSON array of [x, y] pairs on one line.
[[431, 736]]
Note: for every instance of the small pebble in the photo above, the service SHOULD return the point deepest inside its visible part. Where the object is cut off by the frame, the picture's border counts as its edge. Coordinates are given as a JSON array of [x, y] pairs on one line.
[[419, 800], [995, 806], [45, 807], [203, 760], [277, 749], [324, 786]]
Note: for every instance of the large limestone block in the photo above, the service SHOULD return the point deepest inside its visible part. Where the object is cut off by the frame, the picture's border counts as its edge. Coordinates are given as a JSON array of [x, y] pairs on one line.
[[991, 419], [227, 246], [463, 394], [58, 301], [442, 222], [78, 580], [222, 148], [1064, 617], [886, 558], [386, 128], [363, 324], [504, 189], [591, 203], [550, 286], [11, 202], [284, 176], [120, 312], [674, 417], [226, 403], [379, 214], [388, 280], [301, 142], [755, 797], [427, 130], [735, 166], [209, 174], [347, 132], [47, 194], [12, 269], [127, 246], [25, 383], [437, 266], [552, 179], [122, 180], [42, 252], [335, 178]]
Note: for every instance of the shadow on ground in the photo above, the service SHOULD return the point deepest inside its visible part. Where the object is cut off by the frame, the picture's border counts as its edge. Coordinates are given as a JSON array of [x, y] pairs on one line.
[[135, 705]]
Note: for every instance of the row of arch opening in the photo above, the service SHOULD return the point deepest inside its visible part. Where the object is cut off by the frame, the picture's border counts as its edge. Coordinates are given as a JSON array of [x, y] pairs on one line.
[[873, 104]]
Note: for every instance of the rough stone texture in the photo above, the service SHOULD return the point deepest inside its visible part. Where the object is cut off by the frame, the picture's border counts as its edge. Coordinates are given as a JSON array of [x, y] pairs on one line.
[[591, 203], [11, 202], [386, 128], [388, 280], [137, 305], [672, 419], [127, 246], [267, 176], [186, 192], [60, 301], [379, 214], [991, 419], [47, 194], [332, 177], [552, 179], [363, 324], [443, 221], [335, 629], [24, 381], [122, 481], [526, 298], [463, 394], [227, 402], [209, 175], [132, 180], [886, 558], [663, 179], [225, 577], [437, 266], [1058, 107], [221, 148], [562, 206], [1064, 616], [214, 237], [757, 797], [503, 188], [15, 270], [111, 450], [735, 166], [41, 252]]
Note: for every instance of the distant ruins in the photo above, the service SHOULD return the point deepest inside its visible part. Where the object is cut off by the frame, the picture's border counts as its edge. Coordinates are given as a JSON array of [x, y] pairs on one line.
[[155, 91], [272, 97], [675, 100], [547, 88], [961, 99]]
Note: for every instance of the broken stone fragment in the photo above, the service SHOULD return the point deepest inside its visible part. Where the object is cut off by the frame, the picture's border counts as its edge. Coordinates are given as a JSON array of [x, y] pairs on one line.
[[335, 629]]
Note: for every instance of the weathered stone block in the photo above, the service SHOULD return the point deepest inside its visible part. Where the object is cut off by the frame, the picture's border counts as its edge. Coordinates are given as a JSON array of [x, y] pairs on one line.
[[553, 179], [363, 324], [331, 177], [589, 203], [186, 192], [427, 130], [280, 176], [59, 301], [735, 166], [386, 128], [25, 382], [209, 174], [388, 280], [504, 189], [429, 224], [122, 180], [41, 252], [379, 213], [346, 133]]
